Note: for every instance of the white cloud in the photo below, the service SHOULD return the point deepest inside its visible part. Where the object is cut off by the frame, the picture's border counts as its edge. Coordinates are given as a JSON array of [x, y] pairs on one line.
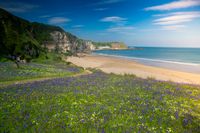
[[58, 20], [100, 9], [77, 26], [172, 22], [121, 29], [177, 18], [114, 19], [18, 7], [45, 16], [104, 2], [173, 27], [53, 15], [175, 5]]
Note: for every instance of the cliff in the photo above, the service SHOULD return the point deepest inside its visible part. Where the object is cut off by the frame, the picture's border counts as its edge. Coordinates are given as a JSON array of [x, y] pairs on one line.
[[63, 42]]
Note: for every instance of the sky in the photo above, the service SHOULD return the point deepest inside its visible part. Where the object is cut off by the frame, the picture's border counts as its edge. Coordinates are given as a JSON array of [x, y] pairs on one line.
[[160, 23]]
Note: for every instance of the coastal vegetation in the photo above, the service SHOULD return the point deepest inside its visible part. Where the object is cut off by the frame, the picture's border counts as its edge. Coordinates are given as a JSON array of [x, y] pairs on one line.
[[109, 45]]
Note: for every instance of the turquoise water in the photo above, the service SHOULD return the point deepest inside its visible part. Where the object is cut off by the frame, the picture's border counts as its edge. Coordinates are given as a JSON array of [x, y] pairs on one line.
[[183, 59]]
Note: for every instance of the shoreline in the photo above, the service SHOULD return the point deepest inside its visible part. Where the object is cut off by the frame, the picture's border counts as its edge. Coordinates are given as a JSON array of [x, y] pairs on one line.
[[167, 64], [146, 59], [121, 66]]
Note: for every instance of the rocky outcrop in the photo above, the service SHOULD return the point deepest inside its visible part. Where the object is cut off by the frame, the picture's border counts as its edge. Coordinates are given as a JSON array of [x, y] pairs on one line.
[[62, 43], [90, 45]]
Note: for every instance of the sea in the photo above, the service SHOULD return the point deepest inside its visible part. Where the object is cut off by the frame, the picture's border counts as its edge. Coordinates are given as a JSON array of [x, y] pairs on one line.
[[181, 59]]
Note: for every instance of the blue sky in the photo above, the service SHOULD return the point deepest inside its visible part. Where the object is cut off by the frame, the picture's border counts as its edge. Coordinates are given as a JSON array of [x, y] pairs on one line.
[[169, 23]]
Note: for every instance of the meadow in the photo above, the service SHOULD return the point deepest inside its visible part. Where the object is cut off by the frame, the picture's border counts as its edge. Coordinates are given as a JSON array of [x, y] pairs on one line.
[[34, 70], [95, 102], [40, 68]]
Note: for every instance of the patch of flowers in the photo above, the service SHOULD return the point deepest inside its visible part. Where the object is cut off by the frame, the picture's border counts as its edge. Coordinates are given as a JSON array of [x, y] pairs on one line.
[[100, 102]]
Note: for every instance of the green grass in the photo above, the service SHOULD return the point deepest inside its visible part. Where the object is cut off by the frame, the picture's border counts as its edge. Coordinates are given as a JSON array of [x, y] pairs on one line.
[[100, 102], [38, 68]]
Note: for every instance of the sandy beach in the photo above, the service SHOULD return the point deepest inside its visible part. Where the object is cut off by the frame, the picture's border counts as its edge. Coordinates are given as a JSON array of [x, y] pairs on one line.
[[125, 66]]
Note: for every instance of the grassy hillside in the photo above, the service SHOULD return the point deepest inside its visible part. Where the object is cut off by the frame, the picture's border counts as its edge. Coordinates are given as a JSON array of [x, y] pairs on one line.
[[102, 44], [110, 44], [16, 38]]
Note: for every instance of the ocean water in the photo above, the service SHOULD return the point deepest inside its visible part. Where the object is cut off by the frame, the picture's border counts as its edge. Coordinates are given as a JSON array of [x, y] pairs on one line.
[[182, 59]]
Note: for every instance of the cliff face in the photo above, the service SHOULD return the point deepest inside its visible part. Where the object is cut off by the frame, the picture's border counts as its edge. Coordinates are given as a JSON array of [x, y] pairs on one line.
[[62, 42], [59, 42]]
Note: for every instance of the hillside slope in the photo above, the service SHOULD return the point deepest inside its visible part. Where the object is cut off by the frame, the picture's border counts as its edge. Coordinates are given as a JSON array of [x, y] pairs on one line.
[[16, 38]]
